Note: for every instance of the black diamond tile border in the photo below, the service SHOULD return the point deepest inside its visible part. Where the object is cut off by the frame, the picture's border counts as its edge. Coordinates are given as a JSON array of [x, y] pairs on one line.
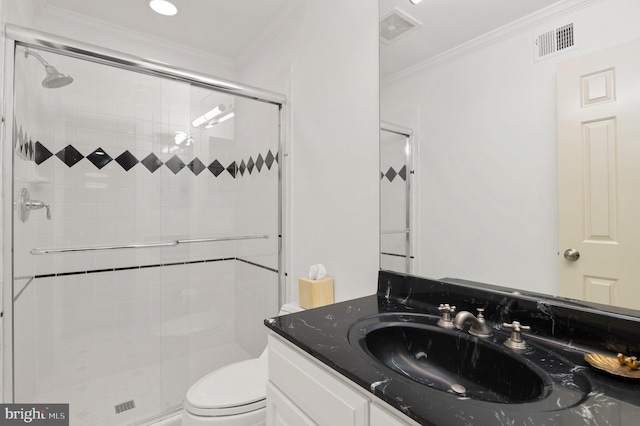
[[269, 160], [233, 169], [38, 153], [69, 155], [127, 160], [174, 164], [41, 153], [216, 168], [196, 166], [99, 158], [403, 173], [152, 162], [391, 174], [259, 163], [21, 139], [29, 149]]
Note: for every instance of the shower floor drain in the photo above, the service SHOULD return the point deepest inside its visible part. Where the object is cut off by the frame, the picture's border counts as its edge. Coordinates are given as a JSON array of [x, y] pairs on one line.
[[129, 405]]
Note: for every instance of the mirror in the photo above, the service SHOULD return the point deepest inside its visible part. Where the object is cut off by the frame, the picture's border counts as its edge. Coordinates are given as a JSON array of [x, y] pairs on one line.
[[474, 82]]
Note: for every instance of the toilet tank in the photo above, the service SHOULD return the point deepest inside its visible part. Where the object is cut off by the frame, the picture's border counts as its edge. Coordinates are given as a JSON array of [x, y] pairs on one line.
[[290, 308]]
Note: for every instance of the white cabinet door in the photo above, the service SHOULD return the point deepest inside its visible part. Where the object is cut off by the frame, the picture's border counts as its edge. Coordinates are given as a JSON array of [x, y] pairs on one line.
[[320, 395], [282, 412], [380, 417]]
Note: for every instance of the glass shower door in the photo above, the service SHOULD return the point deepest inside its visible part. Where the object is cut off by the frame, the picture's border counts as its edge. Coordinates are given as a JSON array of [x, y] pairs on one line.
[[395, 198], [148, 253]]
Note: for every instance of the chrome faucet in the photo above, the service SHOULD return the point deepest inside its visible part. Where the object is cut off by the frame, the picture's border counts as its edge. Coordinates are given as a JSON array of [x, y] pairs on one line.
[[447, 311], [515, 341], [35, 205], [478, 327], [25, 204]]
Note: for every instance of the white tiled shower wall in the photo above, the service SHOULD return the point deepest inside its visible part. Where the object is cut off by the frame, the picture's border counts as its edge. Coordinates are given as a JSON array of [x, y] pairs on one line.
[[112, 206], [169, 324]]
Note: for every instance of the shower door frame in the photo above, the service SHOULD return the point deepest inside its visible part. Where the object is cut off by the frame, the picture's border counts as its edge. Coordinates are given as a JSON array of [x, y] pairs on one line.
[[22, 36], [409, 231]]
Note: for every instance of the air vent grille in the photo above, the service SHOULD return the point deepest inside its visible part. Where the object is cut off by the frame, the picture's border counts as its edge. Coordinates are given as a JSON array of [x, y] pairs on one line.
[[553, 42], [125, 406], [564, 37], [397, 24]]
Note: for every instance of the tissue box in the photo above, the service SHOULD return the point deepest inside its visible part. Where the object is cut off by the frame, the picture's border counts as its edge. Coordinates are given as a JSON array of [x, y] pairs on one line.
[[314, 293]]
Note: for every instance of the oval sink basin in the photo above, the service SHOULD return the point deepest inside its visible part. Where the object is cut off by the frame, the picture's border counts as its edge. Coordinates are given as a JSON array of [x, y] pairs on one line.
[[456, 362]]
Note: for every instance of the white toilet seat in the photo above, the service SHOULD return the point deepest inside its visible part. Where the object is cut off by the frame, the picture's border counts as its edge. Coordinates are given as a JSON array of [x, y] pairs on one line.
[[229, 411], [235, 389], [235, 395]]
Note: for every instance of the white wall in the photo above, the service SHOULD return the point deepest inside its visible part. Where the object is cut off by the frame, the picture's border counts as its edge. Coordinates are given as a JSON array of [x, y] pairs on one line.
[[330, 75], [487, 129]]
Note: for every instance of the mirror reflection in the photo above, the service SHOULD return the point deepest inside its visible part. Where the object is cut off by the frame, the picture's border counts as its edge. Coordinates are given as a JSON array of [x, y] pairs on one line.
[[479, 86], [396, 230]]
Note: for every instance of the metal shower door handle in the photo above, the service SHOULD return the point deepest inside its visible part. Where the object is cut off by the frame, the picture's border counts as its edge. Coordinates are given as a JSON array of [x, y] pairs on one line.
[[571, 255]]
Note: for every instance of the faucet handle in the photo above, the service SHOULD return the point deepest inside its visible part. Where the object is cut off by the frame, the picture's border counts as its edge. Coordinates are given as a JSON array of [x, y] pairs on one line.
[[480, 313], [445, 308], [515, 341], [446, 321]]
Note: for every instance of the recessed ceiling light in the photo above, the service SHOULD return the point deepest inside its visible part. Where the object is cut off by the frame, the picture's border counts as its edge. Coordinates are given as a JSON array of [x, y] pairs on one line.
[[415, 1], [163, 7]]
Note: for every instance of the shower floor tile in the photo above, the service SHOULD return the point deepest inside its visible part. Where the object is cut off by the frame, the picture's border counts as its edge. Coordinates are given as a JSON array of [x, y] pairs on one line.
[[155, 388]]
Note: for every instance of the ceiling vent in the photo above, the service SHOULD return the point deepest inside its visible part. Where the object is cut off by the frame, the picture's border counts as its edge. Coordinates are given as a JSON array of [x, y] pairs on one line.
[[553, 42], [395, 25]]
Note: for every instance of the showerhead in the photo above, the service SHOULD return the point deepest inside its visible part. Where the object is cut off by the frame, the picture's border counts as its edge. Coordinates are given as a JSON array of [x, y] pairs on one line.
[[54, 78]]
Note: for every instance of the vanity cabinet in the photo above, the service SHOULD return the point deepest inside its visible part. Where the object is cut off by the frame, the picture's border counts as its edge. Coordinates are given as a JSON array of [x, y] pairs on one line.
[[324, 362], [282, 411], [302, 391], [380, 417]]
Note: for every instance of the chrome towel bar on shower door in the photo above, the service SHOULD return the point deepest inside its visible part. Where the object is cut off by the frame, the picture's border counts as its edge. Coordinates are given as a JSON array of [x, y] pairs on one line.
[[38, 251]]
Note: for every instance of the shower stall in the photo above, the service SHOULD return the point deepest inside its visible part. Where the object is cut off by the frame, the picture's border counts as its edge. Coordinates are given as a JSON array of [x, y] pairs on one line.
[[396, 201], [146, 229]]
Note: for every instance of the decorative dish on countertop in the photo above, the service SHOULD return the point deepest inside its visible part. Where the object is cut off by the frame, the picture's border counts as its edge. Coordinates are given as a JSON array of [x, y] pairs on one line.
[[613, 365]]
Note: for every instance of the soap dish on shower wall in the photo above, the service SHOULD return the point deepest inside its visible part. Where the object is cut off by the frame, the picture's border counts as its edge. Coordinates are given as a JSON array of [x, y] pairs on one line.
[[611, 365]]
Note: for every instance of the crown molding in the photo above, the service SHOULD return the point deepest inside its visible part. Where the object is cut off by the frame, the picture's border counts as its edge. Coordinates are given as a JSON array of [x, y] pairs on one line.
[[63, 17], [496, 36]]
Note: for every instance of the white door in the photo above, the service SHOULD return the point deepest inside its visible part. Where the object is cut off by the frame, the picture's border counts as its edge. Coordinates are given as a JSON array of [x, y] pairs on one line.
[[599, 176]]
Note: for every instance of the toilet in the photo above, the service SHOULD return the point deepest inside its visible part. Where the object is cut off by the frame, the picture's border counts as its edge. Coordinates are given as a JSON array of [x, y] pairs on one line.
[[234, 395]]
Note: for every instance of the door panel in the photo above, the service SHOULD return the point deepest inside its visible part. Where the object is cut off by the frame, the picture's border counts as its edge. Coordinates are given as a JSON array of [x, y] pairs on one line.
[[598, 175]]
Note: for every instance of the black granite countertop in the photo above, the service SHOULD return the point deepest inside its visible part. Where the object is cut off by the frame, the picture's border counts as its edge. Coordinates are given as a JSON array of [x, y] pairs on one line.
[[562, 333]]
